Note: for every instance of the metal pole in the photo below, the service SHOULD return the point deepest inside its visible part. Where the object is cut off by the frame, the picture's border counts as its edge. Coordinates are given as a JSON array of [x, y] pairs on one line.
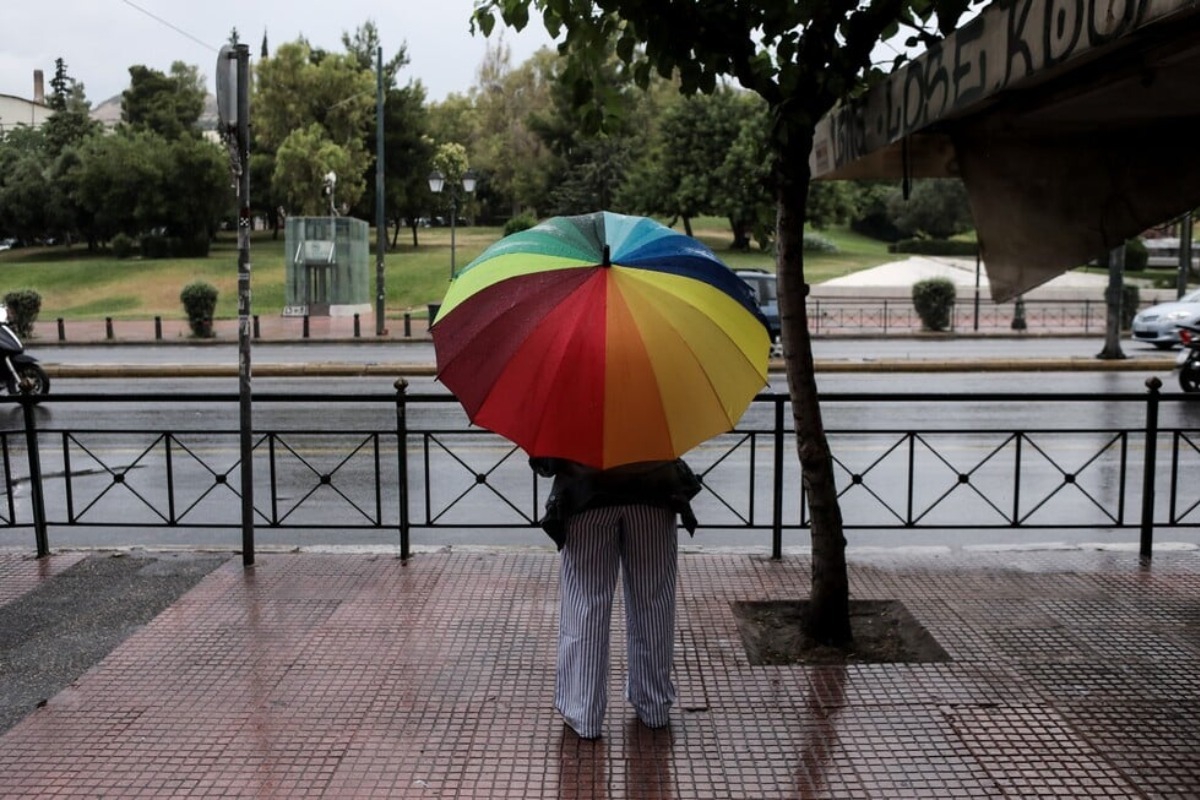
[[977, 259], [1185, 255], [401, 387], [380, 227], [37, 499], [777, 488], [244, 221], [453, 221], [1146, 546]]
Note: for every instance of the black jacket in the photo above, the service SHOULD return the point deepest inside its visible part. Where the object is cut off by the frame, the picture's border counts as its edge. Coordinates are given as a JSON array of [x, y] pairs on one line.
[[664, 484]]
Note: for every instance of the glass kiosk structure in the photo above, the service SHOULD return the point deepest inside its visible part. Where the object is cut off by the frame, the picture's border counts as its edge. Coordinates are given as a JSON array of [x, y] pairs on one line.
[[327, 267]]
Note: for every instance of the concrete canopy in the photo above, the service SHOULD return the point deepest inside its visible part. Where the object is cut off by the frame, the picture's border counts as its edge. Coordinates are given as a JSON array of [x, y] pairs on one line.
[[1072, 123]]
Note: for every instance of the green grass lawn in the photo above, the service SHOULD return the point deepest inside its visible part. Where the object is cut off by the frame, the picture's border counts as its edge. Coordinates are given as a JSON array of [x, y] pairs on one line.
[[79, 285]]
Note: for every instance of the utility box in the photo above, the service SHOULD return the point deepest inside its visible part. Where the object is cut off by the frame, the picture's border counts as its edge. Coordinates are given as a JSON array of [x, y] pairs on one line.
[[327, 267]]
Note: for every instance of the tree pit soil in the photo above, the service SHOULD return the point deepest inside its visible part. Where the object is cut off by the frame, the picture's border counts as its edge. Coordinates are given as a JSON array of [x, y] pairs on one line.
[[884, 633]]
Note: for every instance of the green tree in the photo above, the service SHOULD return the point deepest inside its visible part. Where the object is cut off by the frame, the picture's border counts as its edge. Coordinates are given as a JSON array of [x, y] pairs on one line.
[[169, 105], [114, 175], [744, 190], [831, 203], [936, 207], [302, 161], [589, 168], [505, 150], [696, 136], [25, 197], [407, 149], [322, 101], [801, 58], [138, 183], [871, 216], [71, 123]]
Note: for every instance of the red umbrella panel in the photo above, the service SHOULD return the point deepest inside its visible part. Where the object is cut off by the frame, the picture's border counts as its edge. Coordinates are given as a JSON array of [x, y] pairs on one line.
[[604, 339]]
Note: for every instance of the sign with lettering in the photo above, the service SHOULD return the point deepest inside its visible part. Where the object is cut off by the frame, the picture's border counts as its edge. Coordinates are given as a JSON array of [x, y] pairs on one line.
[[1010, 42]]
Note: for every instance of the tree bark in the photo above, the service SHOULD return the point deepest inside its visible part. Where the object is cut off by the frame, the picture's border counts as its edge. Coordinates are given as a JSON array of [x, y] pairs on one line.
[[829, 618], [1112, 296]]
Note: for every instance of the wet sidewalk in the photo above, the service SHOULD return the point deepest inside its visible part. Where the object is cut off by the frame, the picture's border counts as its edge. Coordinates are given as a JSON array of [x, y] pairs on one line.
[[1072, 674]]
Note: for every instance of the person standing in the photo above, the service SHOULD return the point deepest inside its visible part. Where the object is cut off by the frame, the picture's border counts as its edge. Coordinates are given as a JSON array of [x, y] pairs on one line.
[[620, 521]]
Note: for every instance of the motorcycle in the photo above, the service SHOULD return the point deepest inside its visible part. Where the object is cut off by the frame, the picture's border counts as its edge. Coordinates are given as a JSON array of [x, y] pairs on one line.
[[22, 372]]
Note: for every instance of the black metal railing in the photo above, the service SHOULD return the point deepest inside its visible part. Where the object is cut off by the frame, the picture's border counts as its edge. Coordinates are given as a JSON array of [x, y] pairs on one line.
[[875, 315], [399, 462]]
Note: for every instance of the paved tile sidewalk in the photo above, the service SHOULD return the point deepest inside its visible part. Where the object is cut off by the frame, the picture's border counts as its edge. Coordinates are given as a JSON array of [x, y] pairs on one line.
[[1074, 674]]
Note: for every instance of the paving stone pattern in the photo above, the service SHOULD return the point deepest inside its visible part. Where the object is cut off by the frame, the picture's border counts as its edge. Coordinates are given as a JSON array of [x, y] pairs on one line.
[[1074, 675]]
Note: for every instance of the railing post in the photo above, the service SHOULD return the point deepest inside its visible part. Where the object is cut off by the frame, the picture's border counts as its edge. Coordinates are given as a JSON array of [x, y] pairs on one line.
[[108, 328], [62, 330], [1145, 551], [401, 386], [257, 329], [37, 497], [885, 315], [777, 486], [407, 325], [304, 330], [357, 327], [158, 329]]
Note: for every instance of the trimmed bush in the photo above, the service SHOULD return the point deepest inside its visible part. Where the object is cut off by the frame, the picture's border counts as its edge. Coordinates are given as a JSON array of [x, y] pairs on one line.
[[816, 243], [123, 246], [934, 247], [23, 309], [933, 298], [521, 222], [199, 302], [1136, 256]]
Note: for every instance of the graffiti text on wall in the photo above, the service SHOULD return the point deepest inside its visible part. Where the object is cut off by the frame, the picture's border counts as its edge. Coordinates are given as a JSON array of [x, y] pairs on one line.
[[1008, 42]]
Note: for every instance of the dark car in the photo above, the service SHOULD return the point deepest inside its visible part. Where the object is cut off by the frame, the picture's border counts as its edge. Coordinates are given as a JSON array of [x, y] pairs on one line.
[[762, 284]]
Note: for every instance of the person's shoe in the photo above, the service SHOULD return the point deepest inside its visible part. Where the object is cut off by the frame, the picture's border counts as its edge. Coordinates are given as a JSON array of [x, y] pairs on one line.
[[654, 726], [582, 734]]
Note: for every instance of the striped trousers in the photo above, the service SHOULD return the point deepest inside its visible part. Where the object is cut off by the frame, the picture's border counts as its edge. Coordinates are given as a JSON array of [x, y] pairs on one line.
[[639, 542]]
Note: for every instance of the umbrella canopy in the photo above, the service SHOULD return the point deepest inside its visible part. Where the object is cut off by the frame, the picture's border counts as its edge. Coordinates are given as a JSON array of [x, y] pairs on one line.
[[604, 339]]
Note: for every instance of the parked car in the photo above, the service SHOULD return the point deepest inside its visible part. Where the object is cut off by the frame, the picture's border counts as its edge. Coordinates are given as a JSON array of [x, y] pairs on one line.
[[1159, 325], [7, 244], [762, 284]]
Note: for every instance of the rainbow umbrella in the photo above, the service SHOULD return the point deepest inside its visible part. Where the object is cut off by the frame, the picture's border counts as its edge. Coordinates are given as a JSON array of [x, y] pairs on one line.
[[604, 339]]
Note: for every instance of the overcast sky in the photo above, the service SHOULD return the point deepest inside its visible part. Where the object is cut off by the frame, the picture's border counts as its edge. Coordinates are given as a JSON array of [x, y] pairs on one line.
[[100, 39]]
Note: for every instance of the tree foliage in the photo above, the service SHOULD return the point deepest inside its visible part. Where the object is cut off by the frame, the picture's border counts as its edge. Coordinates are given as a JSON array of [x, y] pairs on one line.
[[314, 110], [800, 58], [935, 207], [70, 124], [407, 149], [169, 105]]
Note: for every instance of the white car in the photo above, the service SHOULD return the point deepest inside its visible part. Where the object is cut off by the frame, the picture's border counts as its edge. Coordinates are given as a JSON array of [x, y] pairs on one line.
[[1159, 325]]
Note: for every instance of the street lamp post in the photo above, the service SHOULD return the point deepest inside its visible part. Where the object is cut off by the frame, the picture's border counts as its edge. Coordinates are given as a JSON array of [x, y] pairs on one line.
[[437, 182]]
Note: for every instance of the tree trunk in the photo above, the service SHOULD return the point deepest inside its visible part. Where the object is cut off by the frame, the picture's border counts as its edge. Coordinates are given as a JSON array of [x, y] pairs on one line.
[[1112, 296], [741, 238], [829, 619]]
